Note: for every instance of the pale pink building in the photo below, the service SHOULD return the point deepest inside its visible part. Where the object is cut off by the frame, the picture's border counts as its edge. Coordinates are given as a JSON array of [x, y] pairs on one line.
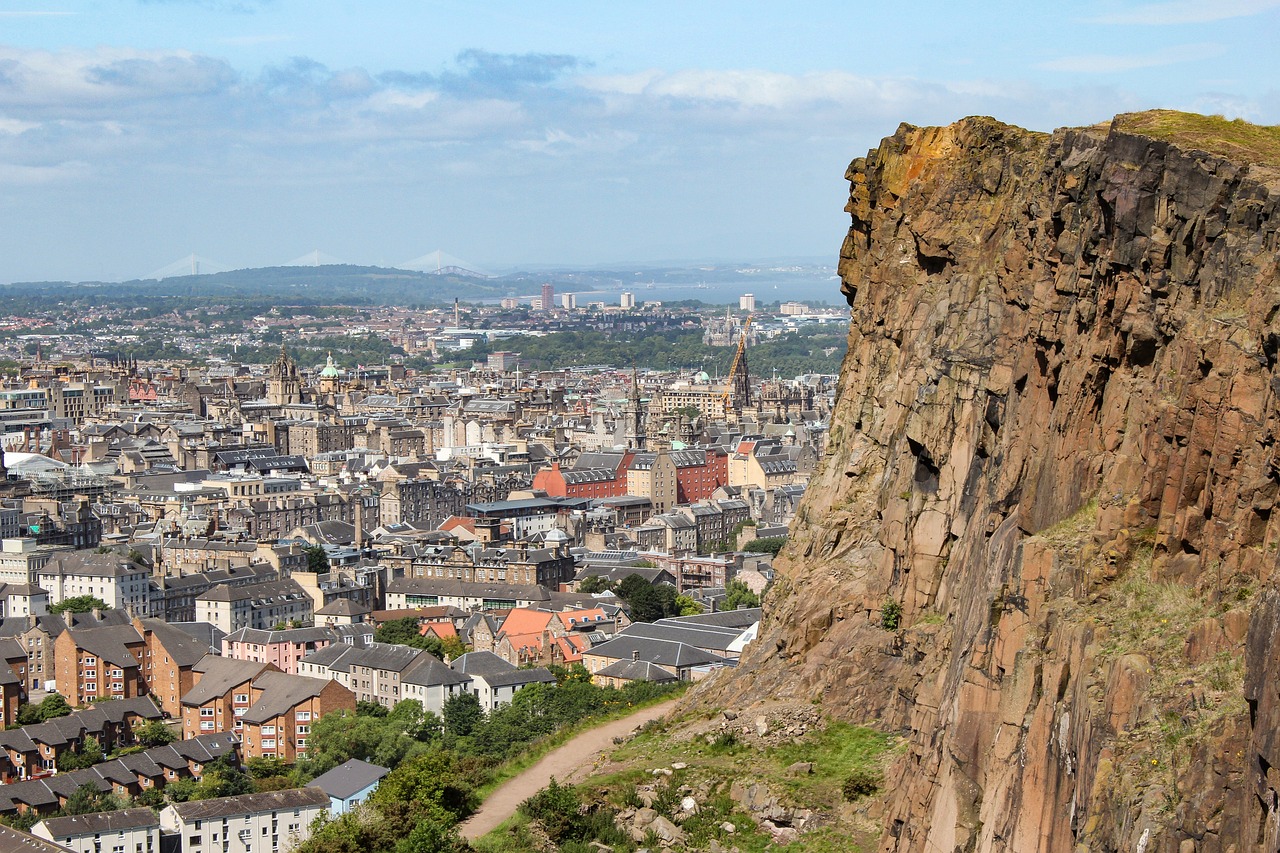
[[286, 648]]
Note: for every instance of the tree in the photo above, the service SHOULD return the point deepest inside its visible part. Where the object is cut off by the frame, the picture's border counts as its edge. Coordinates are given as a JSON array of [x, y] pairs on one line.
[[79, 604], [265, 766], [87, 799], [767, 545], [402, 632], [738, 594], [89, 754], [687, 606], [593, 584], [317, 559], [432, 785], [221, 778], [154, 733], [181, 790], [53, 706], [462, 714]]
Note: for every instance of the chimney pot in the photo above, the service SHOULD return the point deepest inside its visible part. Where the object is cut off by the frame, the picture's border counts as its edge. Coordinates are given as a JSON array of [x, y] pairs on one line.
[[635, 654]]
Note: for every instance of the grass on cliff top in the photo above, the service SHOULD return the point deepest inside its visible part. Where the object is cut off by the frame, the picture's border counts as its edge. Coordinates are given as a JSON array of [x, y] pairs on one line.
[[1234, 139], [715, 761]]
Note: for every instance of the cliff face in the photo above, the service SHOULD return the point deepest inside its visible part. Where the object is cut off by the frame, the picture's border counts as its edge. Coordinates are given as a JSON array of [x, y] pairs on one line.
[[1054, 450]]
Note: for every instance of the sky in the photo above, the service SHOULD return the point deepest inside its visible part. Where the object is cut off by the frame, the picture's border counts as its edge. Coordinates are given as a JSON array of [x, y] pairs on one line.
[[134, 133]]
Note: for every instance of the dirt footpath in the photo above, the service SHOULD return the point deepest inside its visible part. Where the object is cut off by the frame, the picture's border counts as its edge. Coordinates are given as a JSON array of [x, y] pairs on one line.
[[570, 761]]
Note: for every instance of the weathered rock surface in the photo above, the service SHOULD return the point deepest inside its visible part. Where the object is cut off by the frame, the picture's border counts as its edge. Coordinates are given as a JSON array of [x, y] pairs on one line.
[[1061, 375]]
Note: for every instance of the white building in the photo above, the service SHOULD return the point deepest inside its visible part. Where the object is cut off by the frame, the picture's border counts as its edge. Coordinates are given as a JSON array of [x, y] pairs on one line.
[[747, 302], [569, 301], [271, 822], [627, 300], [118, 582], [258, 605], [124, 831], [432, 683], [494, 681]]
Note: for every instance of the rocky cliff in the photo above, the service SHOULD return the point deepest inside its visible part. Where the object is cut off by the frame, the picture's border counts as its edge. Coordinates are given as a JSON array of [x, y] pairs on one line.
[[1043, 544]]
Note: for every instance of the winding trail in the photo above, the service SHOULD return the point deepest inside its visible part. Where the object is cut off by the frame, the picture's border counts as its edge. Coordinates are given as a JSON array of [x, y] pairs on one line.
[[574, 756]]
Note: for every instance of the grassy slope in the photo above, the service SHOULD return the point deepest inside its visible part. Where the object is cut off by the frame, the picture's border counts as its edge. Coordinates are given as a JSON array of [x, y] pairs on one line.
[[1236, 140], [837, 752]]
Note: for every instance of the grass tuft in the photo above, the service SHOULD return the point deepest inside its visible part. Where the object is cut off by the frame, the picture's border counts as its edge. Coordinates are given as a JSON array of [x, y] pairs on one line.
[[1233, 139]]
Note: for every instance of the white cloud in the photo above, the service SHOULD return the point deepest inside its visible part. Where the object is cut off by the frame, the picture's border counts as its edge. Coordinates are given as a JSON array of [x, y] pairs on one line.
[[1110, 63], [1187, 12]]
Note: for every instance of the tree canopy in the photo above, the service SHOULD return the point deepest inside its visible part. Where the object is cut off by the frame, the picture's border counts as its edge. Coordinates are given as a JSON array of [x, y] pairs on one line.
[[79, 604]]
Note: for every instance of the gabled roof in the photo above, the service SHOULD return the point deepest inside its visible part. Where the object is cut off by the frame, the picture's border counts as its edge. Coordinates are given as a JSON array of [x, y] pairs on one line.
[[185, 649], [662, 652], [431, 671], [245, 804], [350, 778], [496, 672], [110, 643], [219, 675], [636, 670], [84, 824], [281, 692]]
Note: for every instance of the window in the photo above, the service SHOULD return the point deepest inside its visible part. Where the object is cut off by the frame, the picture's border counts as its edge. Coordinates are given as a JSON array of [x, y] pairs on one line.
[[117, 673], [90, 673], [206, 725], [304, 716], [304, 730], [268, 730], [242, 698], [206, 712], [268, 743], [90, 661]]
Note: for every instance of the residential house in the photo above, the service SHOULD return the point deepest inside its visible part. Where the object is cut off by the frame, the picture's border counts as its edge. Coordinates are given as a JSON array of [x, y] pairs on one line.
[[282, 648], [270, 822], [123, 831], [100, 663], [433, 683], [260, 605], [349, 784], [118, 582], [494, 681], [221, 695], [278, 723], [682, 660], [373, 673], [169, 660]]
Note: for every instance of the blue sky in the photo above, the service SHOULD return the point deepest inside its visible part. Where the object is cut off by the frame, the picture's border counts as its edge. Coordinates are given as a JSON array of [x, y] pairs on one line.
[[251, 132]]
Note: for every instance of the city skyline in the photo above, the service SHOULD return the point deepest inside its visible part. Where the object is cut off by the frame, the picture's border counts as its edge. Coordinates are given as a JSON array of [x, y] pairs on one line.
[[251, 132]]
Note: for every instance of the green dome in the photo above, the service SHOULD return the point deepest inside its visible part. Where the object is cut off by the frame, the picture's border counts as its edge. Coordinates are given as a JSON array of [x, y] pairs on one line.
[[330, 370]]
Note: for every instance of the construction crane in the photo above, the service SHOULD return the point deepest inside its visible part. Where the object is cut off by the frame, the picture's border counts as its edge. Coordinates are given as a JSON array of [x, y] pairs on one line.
[[739, 360]]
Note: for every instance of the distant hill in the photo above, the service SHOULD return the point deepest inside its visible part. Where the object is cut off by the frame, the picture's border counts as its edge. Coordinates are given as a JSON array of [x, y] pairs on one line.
[[350, 285]]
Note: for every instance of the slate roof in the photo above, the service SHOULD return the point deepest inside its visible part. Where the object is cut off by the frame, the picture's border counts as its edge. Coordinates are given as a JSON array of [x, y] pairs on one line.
[[84, 824], [431, 671], [663, 652], [636, 670], [350, 778], [16, 841], [110, 643], [242, 804], [280, 693], [185, 649], [218, 675], [496, 672]]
